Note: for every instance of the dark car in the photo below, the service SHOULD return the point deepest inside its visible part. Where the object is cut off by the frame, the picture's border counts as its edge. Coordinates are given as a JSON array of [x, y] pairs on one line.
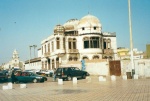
[[3, 75], [67, 73], [30, 77]]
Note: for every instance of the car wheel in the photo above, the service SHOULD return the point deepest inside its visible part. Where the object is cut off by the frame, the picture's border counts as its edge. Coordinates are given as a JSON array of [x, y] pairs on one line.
[[83, 76], [34, 80], [69, 78]]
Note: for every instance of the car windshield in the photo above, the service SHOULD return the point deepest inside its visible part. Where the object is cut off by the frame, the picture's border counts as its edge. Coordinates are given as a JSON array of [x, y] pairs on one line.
[[33, 74], [77, 69], [28, 74]]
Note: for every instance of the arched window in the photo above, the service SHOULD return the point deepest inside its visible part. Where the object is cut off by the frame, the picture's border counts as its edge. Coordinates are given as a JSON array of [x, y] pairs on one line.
[[75, 58], [105, 44], [109, 43], [57, 43], [85, 58], [72, 43], [86, 42], [48, 47], [52, 46], [95, 57], [70, 58], [92, 42]]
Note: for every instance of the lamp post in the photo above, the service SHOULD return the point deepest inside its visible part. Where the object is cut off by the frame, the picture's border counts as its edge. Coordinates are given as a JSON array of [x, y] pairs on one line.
[[30, 54], [34, 49], [131, 41]]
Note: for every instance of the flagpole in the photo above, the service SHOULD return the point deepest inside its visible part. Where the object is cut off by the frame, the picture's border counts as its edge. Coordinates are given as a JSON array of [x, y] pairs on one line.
[[131, 40]]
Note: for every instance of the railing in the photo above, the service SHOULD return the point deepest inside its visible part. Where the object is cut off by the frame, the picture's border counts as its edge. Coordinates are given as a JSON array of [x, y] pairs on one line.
[[72, 50], [46, 54], [108, 51]]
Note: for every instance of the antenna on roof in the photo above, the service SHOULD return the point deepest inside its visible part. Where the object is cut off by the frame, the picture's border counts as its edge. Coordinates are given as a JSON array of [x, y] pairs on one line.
[[88, 9]]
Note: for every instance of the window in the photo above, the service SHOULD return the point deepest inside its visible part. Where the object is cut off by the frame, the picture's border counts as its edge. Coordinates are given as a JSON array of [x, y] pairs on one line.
[[93, 42], [58, 43], [45, 48], [64, 43], [72, 43], [96, 57], [86, 42], [46, 64], [75, 58], [83, 28], [94, 28], [109, 45], [48, 47], [69, 44], [85, 58], [105, 44], [70, 58], [52, 46]]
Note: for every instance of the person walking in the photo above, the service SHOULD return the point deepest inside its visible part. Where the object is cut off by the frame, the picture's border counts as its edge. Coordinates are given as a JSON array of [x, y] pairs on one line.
[[13, 78], [54, 75]]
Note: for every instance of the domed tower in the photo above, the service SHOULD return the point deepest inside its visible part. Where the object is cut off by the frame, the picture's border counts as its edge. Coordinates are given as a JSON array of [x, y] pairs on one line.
[[59, 30], [15, 59], [71, 25], [89, 24]]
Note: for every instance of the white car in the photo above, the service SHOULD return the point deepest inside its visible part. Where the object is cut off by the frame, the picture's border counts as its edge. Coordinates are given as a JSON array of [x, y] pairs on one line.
[[48, 72]]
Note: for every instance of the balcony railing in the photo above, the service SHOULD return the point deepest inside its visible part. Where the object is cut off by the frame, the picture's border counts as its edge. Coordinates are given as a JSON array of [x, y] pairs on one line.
[[47, 54], [72, 50], [108, 51]]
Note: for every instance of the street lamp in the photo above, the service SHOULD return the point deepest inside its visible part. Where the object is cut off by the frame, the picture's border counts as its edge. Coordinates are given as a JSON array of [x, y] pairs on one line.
[[30, 54], [34, 49], [131, 41]]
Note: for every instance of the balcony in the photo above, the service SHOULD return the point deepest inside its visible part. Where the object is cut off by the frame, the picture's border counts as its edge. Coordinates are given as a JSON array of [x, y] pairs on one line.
[[108, 51], [47, 54], [73, 51]]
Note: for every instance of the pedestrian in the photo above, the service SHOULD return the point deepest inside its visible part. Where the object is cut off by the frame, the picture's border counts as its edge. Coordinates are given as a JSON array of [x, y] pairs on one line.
[[13, 78], [54, 75]]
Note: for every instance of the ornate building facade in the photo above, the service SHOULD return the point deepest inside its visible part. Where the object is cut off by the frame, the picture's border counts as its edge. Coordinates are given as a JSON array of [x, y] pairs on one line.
[[14, 62], [76, 40]]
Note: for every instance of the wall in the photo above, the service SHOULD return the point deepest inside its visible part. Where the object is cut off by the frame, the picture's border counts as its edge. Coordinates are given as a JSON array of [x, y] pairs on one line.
[[94, 67], [142, 67]]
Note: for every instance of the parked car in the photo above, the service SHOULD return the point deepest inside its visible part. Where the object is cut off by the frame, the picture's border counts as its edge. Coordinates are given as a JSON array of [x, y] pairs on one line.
[[3, 75], [67, 73], [48, 72], [30, 77]]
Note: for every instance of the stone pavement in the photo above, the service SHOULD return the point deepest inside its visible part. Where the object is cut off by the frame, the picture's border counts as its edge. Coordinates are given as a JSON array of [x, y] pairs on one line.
[[90, 89]]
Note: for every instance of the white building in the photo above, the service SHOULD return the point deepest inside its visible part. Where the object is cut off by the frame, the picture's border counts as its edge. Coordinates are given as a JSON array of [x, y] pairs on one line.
[[77, 40], [14, 63], [34, 63]]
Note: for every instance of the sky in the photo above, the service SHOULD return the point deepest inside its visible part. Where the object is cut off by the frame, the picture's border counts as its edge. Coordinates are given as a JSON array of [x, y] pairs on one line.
[[28, 22]]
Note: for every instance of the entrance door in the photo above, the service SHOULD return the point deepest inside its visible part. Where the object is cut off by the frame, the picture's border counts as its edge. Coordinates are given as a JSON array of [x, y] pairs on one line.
[[115, 67]]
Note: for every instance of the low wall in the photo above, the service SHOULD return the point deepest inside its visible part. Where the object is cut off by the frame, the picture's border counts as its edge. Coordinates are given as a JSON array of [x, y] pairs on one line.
[[94, 67]]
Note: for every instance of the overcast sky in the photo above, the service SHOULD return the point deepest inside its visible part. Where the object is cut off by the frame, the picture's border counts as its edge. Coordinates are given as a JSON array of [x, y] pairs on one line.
[[28, 22]]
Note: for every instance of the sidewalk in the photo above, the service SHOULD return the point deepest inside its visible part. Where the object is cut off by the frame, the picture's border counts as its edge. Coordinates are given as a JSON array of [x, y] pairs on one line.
[[89, 89]]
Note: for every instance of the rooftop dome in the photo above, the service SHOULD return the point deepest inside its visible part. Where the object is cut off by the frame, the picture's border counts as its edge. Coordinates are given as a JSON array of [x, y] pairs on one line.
[[71, 24], [89, 20], [59, 29]]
